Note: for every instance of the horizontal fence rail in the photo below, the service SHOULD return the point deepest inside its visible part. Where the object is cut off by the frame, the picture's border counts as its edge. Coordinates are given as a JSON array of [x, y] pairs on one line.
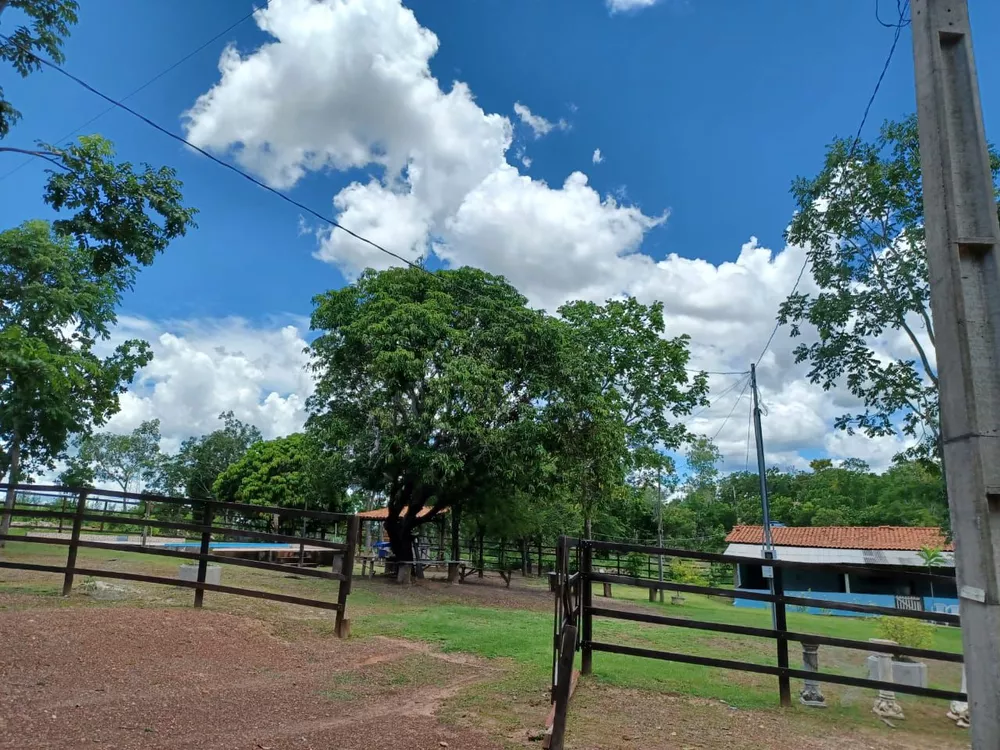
[[779, 633], [207, 522]]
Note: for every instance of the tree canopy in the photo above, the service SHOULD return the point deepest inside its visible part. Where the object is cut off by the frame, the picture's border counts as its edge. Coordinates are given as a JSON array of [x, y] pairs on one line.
[[286, 472], [861, 221], [445, 390], [49, 22], [194, 469], [130, 460], [54, 310], [427, 384]]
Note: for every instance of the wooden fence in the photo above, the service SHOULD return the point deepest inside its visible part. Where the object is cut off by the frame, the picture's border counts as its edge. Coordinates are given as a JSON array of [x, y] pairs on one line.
[[574, 622], [203, 521]]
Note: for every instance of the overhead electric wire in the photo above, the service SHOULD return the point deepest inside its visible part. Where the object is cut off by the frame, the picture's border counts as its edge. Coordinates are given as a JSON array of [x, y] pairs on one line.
[[222, 163], [147, 84], [854, 144], [734, 386], [746, 467], [738, 399], [114, 103]]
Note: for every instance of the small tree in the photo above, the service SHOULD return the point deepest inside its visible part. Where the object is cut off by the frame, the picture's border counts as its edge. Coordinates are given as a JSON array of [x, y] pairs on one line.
[[932, 557], [129, 461]]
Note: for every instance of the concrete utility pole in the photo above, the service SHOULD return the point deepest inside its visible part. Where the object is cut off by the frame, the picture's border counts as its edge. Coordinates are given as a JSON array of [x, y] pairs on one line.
[[963, 239]]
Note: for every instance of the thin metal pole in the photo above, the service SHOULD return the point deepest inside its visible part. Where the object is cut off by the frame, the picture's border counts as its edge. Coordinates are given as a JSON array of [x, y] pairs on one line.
[[774, 574], [761, 469]]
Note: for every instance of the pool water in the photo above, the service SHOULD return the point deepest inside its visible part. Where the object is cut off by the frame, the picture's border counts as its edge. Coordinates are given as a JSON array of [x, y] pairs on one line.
[[223, 545]]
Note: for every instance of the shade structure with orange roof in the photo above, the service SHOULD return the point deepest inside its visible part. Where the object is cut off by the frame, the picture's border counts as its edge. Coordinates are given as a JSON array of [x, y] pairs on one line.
[[381, 514]]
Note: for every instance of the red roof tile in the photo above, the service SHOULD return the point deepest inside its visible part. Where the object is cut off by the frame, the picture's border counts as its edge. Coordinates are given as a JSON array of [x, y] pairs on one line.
[[380, 514], [845, 537]]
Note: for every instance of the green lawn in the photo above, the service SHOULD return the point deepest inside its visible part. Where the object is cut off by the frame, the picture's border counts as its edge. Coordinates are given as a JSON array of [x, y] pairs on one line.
[[517, 637]]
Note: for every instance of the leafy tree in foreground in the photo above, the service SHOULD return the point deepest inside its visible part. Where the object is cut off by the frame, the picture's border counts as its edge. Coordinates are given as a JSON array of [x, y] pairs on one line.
[[861, 220], [429, 384], [53, 312], [129, 460]]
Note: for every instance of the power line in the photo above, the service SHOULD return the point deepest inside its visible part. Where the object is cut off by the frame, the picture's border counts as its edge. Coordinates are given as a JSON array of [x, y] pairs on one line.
[[734, 386], [148, 83], [746, 467], [716, 372], [220, 162], [901, 7], [738, 399]]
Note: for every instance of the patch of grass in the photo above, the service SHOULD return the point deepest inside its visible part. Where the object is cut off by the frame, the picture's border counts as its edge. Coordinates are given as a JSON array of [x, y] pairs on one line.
[[518, 640], [412, 672]]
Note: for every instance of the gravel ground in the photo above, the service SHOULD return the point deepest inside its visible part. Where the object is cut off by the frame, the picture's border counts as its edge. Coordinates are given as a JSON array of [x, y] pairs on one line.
[[122, 678]]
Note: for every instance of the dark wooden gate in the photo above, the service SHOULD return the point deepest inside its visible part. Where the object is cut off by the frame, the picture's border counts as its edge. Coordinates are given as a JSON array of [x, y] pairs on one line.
[[575, 613], [42, 511]]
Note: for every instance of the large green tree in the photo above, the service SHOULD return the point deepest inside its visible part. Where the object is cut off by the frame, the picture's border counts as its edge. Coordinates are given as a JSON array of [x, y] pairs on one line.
[[428, 384], [861, 222], [54, 311]]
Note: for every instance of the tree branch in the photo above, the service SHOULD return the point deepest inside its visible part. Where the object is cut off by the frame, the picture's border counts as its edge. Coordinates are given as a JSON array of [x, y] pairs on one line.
[[47, 155]]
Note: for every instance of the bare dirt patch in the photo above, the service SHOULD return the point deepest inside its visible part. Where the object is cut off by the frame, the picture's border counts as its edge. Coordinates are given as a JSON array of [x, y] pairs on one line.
[[123, 678]]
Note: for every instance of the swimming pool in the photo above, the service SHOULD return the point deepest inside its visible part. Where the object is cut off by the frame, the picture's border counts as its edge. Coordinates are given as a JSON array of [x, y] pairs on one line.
[[224, 545]]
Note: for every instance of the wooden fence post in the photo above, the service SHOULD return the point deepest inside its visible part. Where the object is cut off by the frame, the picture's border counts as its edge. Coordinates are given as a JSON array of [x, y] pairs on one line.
[[206, 541], [586, 567], [74, 540], [564, 681], [343, 624], [780, 624]]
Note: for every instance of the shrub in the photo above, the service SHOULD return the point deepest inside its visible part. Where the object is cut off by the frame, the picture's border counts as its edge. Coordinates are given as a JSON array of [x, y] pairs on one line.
[[685, 571], [906, 632], [636, 564]]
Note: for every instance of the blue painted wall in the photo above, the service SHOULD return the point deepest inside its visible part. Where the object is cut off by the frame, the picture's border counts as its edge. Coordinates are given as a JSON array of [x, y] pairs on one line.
[[937, 604]]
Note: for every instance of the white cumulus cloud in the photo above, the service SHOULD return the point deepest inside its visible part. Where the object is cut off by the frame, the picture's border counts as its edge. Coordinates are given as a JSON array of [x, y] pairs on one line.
[[202, 368], [597, 157], [348, 85], [538, 124]]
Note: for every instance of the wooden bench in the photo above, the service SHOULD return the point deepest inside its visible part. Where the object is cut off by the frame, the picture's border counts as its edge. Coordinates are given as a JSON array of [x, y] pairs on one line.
[[368, 564], [467, 569]]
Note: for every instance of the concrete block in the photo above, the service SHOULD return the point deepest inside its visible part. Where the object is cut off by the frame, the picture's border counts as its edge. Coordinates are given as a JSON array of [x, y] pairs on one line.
[[912, 673], [213, 574]]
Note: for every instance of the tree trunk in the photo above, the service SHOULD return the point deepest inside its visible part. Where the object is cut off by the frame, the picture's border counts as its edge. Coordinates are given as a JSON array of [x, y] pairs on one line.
[[13, 475], [525, 558], [456, 544], [481, 535], [587, 528], [541, 569]]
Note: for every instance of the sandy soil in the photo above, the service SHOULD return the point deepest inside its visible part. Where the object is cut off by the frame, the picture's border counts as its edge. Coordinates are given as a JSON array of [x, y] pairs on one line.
[[121, 678]]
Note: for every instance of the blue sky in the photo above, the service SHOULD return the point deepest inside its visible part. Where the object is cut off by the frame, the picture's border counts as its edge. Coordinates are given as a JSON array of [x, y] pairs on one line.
[[703, 113]]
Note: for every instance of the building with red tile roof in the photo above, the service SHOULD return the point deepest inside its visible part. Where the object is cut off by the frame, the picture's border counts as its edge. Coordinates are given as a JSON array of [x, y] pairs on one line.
[[901, 538]]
